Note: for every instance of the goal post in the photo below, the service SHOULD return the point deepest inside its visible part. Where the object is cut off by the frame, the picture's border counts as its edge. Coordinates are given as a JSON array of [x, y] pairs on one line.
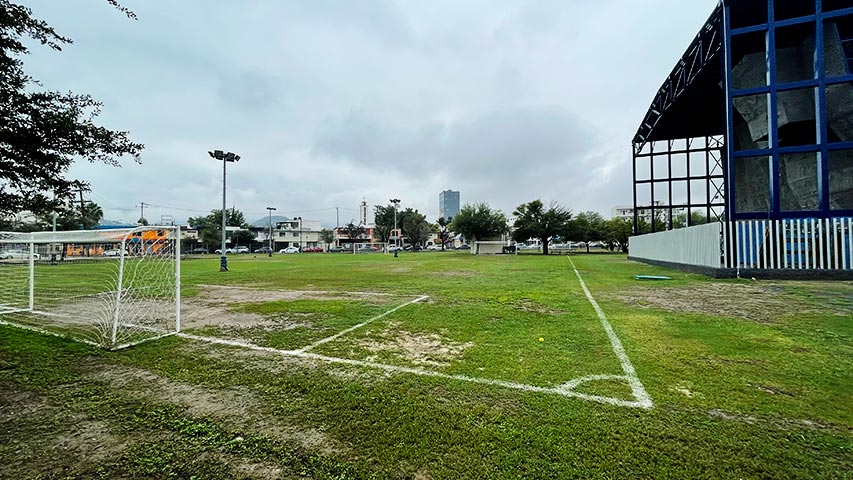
[[112, 288]]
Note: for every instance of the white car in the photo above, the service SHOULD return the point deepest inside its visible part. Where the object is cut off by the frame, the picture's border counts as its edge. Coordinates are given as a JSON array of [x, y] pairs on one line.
[[392, 248], [241, 250], [113, 253], [227, 251], [289, 250], [17, 253]]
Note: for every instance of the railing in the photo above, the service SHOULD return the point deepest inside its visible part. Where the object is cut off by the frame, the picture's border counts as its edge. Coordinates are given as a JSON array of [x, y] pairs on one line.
[[790, 244]]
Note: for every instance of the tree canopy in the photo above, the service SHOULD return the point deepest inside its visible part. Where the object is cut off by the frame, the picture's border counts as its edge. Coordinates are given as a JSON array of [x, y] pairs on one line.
[[533, 220], [210, 226], [383, 219], [43, 132], [414, 226], [479, 222]]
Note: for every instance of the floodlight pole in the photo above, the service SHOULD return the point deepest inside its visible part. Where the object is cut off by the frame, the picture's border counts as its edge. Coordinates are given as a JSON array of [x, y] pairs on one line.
[[225, 157], [396, 202], [270, 209]]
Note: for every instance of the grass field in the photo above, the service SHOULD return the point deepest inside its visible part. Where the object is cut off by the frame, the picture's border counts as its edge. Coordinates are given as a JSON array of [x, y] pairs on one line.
[[447, 365]]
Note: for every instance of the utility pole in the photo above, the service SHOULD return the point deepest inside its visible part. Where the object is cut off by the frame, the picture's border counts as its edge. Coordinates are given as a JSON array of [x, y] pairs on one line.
[[81, 187], [337, 218], [142, 210]]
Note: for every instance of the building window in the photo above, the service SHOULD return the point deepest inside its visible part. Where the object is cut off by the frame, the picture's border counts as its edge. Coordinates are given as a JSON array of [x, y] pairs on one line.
[[795, 115], [752, 184], [841, 180], [749, 60], [838, 46], [788, 9], [798, 180], [751, 125], [839, 112], [795, 49], [831, 5], [747, 14]]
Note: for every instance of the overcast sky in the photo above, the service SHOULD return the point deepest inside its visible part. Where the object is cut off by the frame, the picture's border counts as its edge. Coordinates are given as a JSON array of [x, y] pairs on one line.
[[332, 101]]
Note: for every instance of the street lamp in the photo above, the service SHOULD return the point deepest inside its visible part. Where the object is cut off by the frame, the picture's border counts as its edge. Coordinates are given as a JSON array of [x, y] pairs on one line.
[[225, 157], [271, 209], [300, 232], [396, 202]]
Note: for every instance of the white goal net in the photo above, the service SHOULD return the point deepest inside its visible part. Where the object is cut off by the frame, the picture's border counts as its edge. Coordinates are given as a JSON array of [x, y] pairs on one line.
[[111, 288]]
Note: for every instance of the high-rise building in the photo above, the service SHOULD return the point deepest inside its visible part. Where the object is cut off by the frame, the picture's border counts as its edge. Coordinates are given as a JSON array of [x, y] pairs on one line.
[[448, 204]]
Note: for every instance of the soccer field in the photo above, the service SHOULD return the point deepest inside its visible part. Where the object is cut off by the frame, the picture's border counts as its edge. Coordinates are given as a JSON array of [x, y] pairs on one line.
[[447, 365]]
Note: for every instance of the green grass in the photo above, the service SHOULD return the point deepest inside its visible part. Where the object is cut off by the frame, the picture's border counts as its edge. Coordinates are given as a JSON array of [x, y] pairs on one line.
[[760, 389]]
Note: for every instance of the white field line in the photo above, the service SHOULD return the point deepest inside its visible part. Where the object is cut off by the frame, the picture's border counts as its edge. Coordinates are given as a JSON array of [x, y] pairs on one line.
[[48, 332], [561, 390], [355, 327], [630, 374]]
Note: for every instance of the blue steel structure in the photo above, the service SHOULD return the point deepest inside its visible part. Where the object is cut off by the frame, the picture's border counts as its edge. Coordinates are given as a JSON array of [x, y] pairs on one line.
[[754, 120]]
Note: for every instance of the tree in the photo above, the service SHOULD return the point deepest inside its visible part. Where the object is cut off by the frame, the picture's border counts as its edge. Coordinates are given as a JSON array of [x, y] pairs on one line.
[[414, 226], [444, 233], [142, 221], [533, 220], [72, 218], [618, 230], [696, 218], [353, 231], [383, 219], [479, 222], [210, 226], [327, 236], [43, 132], [587, 227]]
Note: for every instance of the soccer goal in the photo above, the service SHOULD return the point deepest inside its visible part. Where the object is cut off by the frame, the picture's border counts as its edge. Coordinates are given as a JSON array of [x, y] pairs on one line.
[[111, 288]]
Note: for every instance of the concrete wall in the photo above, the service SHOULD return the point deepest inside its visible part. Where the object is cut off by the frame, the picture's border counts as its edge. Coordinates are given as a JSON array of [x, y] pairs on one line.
[[698, 246]]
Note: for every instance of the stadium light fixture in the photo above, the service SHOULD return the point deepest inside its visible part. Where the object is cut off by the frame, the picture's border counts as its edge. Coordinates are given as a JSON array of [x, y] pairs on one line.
[[225, 157], [396, 202], [271, 209]]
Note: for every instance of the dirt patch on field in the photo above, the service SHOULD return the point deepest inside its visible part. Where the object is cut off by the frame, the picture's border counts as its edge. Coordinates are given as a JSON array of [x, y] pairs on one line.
[[38, 429], [780, 423], [229, 295], [456, 273], [527, 305], [758, 302], [421, 349], [211, 307], [237, 408]]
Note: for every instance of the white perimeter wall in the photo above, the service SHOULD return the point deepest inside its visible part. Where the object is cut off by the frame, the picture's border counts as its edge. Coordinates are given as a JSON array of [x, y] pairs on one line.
[[699, 245]]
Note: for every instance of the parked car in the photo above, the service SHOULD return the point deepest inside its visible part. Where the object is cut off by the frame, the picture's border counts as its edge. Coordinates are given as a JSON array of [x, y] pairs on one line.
[[241, 250], [365, 249], [312, 250], [227, 251], [393, 248], [17, 253], [337, 249], [114, 252], [264, 250], [464, 246], [289, 250], [200, 251]]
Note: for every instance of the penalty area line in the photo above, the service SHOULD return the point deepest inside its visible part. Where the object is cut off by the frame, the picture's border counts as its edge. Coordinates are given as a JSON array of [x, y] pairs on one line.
[[630, 374], [355, 327], [566, 390]]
